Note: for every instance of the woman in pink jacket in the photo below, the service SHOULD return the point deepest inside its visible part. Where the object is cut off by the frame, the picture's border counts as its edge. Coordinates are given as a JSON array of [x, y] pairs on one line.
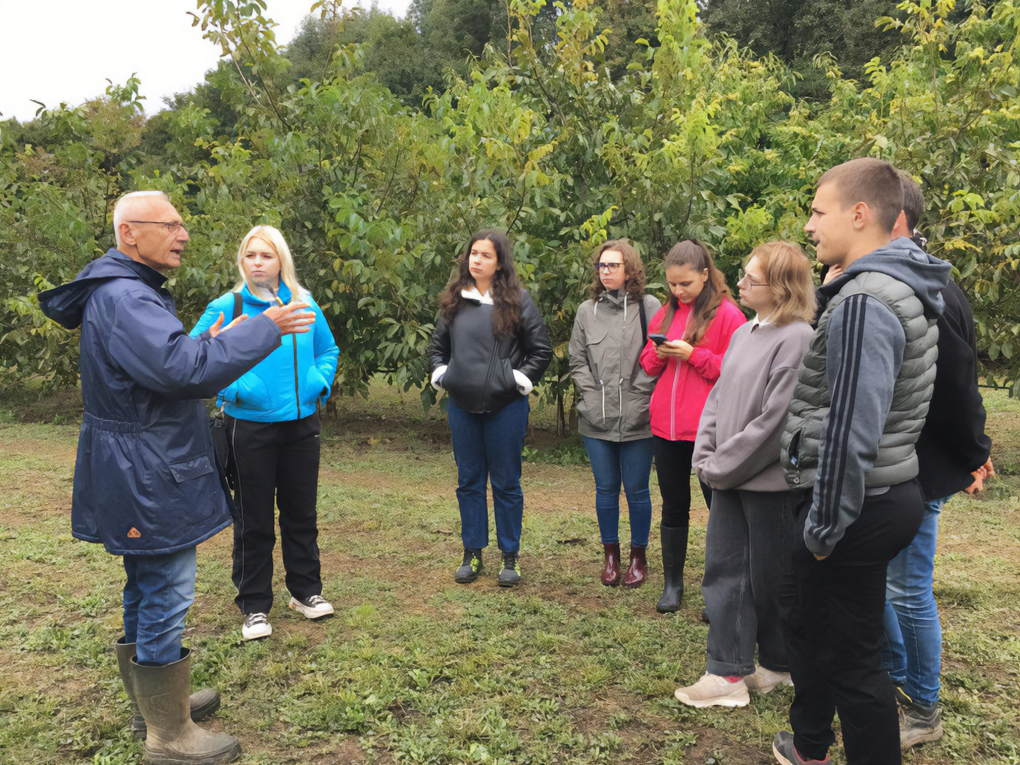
[[697, 323]]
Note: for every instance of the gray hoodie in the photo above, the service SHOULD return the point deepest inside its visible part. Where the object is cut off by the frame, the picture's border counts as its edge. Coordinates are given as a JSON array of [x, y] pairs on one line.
[[604, 349], [864, 386]]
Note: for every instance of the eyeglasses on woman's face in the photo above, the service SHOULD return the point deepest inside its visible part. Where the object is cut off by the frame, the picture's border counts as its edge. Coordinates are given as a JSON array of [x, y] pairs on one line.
[[747, 281], [609, 267]]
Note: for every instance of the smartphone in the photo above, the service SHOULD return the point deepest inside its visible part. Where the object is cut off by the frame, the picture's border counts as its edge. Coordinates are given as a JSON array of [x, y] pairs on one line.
[[657, 337]]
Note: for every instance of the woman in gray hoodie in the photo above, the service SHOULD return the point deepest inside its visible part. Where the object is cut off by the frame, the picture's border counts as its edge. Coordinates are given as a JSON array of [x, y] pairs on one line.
[[612, 408], [737, 453]]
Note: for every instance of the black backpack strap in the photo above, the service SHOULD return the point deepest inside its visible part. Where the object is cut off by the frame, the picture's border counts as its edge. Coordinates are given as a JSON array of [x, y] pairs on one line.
[[237, 305], [644, 322]]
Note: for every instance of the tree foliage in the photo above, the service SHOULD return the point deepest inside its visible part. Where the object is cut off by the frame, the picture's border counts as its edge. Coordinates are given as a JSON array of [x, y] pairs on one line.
[[564, 127]]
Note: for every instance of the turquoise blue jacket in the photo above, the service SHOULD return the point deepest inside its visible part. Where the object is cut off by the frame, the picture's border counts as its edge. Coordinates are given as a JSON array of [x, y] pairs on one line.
[[288, 383]]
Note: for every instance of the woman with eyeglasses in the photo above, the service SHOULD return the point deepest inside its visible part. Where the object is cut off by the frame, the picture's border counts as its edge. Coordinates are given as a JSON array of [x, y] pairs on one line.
[[489, 350], [694, 329], [273, 430], [612, 406], [737, 454]]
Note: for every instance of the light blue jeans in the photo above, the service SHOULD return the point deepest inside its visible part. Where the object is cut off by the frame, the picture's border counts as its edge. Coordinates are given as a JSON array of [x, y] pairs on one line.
[[159, 591], [914, 651], [629, 463]]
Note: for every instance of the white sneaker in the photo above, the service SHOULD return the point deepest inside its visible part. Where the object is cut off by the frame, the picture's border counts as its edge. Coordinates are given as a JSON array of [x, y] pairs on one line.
[[714, 691], [313, 607], [764, 680], [256, 626]]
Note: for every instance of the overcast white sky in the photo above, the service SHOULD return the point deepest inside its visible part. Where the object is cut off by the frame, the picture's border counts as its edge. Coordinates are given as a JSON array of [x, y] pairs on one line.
[[57, 51]]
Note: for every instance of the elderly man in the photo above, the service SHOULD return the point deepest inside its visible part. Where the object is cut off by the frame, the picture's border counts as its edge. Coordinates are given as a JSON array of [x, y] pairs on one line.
[[848, 447], [145, 483]]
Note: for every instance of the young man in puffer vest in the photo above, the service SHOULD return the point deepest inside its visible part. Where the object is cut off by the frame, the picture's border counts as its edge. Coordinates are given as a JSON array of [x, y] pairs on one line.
[[848, 451]]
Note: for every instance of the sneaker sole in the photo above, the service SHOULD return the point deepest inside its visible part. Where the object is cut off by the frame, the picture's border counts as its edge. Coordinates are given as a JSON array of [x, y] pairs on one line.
[[724, 701], [503, 583], [295, 606], [257, 637], [913, 738], [780, 757]]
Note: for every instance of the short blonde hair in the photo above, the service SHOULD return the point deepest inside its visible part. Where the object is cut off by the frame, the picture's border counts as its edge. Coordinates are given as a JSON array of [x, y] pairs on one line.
[[787, 272], [278, 244]]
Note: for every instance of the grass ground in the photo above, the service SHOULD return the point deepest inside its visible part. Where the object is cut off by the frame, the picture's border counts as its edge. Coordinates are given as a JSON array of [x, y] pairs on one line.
[[417, 669]]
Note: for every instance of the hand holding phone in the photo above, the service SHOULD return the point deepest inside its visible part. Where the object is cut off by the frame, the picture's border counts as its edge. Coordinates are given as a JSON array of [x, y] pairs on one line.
[[657, 337]]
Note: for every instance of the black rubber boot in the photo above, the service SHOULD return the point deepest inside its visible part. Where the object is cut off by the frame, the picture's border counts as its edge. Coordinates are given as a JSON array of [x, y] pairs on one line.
[[203, 703], [674, 556], [172, 737]]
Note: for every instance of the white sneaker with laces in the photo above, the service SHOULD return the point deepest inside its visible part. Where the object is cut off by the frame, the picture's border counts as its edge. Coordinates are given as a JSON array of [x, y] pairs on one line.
[[764, 680], [256, 626], [714, 691], [312, 607]]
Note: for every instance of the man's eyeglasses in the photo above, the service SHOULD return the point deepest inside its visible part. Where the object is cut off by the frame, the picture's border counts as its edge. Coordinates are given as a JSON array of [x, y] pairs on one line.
[[745, 280], [171, 226], [610, 267]]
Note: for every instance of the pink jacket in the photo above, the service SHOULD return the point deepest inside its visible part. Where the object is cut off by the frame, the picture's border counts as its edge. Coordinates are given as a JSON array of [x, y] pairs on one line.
[[683, 386]]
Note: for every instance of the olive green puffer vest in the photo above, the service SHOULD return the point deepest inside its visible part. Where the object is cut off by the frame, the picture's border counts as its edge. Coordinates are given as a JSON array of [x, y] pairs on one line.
[[896, 461]]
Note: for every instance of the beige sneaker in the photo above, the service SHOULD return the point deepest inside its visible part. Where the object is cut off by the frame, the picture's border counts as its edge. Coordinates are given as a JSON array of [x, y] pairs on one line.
[[764, 680], [714, 691]]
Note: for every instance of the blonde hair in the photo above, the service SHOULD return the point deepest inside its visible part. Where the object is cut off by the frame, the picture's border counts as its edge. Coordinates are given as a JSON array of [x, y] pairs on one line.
[[278, 245], [787, 272]]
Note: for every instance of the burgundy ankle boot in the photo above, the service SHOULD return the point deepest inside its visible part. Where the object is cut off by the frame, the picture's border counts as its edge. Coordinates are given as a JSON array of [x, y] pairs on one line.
[[611, 572], [638, 571]]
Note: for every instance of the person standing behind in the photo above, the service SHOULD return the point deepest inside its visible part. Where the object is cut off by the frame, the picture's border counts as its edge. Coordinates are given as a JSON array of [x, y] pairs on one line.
[[952, 447], [848, 452], [273, 432], [698, 322], [612, 411], [489, 349], [146, 484], [737, 454]]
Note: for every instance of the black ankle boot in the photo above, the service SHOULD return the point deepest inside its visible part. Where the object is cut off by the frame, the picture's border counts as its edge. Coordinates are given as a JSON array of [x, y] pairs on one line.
[[674, 556]]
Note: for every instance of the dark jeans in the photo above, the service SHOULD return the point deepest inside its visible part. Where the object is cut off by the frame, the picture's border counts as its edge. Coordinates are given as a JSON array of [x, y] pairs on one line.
[[673, 468], [747, 557], [835, 634], [277, 464], [487, 447], [629, 463]]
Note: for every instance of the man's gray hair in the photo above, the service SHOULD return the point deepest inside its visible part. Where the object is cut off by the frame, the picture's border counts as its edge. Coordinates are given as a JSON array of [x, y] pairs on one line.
[[124, 202]]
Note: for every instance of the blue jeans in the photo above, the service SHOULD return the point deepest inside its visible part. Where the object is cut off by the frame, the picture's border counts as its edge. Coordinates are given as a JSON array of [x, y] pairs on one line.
[[488, 446], [159, 591], [629, 463], [914, 651]]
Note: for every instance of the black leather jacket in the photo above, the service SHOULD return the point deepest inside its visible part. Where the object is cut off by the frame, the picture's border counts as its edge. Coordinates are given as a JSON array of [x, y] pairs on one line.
[[480, 368]]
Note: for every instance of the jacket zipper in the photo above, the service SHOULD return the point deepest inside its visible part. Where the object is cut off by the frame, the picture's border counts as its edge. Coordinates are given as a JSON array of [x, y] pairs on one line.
[[297, 387]]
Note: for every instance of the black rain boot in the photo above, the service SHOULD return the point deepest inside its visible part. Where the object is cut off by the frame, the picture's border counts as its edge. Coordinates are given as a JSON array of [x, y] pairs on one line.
[[674, 556]]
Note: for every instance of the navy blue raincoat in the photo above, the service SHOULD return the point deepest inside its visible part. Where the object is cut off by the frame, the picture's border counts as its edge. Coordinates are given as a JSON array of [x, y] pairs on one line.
[[145, 479]]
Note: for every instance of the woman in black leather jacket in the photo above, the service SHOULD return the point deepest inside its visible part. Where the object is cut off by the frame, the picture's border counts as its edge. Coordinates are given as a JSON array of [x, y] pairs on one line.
[[489, 350]]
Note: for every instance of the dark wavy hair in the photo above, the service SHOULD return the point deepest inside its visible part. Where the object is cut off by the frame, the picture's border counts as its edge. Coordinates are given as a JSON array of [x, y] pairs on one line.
[[691, 252], [634, 284], [506, 286]]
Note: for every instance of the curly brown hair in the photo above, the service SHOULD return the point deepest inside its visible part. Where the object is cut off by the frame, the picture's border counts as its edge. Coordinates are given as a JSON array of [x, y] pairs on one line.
[[634, 284]]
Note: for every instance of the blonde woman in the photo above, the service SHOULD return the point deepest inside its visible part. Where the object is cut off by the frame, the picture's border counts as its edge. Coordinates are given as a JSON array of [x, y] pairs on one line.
[[737, 454], [273, 429]]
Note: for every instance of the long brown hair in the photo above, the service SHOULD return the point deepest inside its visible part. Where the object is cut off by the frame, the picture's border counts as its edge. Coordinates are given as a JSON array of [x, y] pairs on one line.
[[505, 290], [787, 273], [634, 284], [691, 252]]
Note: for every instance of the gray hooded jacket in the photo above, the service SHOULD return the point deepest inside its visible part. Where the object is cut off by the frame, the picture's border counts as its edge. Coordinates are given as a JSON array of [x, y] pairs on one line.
[[604, 348], [864, 386]]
